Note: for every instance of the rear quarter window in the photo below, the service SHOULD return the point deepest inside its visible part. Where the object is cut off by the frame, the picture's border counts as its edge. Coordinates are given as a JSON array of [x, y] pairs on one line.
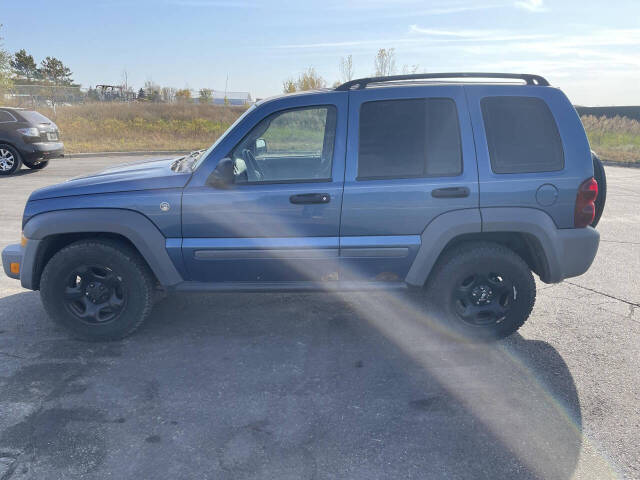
[[6, 117], [522, 135], [34, 117]]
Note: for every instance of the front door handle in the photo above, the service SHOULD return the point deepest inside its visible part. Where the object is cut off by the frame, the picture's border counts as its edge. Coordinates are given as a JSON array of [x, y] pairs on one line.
[[306, 198], [450, 192]]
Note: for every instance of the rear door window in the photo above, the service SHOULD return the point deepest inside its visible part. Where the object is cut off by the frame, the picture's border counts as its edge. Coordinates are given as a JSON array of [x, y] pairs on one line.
[[409, 138], [522, 135]]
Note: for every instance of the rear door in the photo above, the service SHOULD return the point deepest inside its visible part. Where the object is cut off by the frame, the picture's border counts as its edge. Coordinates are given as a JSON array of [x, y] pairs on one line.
[[410, 158]]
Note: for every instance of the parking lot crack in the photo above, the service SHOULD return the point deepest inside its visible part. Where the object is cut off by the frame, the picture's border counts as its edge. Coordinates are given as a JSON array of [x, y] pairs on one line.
[[633, 305]]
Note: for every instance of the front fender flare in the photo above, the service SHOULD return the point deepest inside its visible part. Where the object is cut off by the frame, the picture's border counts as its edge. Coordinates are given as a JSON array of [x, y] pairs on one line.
[[137, 228]]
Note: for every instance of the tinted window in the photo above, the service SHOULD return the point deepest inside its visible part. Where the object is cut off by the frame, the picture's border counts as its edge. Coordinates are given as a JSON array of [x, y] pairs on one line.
[[522, 135], [294, 145], [34, 117], [6, 117], [409, 138]]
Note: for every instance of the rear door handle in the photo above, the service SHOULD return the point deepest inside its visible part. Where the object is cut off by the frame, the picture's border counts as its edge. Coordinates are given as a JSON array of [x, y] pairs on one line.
[[450, 192], [306, 198]]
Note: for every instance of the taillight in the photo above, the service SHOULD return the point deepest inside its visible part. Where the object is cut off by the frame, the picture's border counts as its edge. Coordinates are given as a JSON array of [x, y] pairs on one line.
[[585, 203]]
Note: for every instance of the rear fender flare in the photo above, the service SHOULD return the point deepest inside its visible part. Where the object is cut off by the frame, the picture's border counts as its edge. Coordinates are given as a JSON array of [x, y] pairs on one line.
[[436, 236]]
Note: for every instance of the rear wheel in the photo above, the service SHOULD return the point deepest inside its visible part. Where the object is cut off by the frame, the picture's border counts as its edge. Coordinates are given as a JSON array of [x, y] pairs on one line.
[[601, 178], [10, 160], [483, 291], [37, 165], [98, 290]]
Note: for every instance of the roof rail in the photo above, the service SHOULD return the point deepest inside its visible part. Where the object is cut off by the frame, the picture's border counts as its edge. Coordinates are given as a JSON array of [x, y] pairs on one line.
[[361, 83]]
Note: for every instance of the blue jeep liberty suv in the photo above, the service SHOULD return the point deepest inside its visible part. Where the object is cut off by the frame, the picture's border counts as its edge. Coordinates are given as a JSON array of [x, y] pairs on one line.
[[450, 186]]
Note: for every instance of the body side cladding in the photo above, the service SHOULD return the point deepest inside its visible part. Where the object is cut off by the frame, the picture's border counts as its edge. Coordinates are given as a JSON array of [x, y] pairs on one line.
[[135, 227], [567, 252], [435, 238]]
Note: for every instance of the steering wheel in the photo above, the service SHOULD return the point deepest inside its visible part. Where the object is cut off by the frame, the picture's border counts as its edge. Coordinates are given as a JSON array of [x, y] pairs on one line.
[[250, 159]]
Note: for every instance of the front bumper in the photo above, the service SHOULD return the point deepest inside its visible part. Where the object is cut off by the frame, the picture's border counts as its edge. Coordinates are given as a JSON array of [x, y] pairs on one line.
[[44, 151], [12, 254]]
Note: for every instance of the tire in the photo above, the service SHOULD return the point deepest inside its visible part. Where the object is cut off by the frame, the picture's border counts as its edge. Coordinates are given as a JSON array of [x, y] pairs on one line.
[[98, 290], [482, 291], [601, 178], [10, 159], [36, 165]]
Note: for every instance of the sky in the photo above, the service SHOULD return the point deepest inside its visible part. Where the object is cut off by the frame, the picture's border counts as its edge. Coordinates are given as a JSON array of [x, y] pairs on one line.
[[588, 48]]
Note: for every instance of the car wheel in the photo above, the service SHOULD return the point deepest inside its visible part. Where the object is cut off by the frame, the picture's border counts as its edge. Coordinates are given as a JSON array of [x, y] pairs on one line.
[[10, 160], [37, 165], [98, 290], [601, 178], [483, 291]]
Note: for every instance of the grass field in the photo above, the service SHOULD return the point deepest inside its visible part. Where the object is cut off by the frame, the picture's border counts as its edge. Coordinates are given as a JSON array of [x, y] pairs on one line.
[[616, 139], [112, 127], [104, 127]]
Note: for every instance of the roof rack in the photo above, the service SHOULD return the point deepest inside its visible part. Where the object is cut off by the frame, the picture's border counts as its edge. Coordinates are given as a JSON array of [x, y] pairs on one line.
[[361, 83]]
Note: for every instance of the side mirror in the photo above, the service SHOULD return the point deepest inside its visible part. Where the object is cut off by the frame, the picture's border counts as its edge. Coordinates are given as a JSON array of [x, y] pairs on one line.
[[222, 176], [261, 146]]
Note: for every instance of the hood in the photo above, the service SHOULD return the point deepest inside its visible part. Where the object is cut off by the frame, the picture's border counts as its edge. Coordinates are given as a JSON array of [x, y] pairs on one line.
[[150, 175]]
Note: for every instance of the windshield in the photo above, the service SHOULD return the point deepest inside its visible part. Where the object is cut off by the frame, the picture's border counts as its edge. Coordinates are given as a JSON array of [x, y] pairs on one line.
[[206, 153]]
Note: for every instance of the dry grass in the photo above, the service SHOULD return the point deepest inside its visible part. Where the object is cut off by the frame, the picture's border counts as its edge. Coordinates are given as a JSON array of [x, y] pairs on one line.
[[104, 127], [616, 139], [109, 127]]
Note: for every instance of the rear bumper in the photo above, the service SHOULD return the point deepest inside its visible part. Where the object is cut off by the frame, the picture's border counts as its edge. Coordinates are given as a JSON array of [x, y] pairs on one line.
[[574, 249], [43, 151], [12, 254]]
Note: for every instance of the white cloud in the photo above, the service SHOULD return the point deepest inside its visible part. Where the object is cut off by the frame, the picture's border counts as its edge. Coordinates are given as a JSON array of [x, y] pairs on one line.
[[475, 35], [531, 5]]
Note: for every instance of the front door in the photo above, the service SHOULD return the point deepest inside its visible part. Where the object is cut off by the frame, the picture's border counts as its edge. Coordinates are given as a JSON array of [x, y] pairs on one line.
[[280, 220]]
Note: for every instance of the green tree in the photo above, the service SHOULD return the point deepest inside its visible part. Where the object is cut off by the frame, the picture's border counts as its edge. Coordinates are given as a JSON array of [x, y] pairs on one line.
[[5, 70], [152, 91], [92, 95], [55, 72], [24, 65], [206, 95], [141, 95]]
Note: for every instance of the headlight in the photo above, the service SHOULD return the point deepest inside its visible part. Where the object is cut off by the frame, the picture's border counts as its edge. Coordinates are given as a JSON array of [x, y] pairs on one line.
[[29, 132]]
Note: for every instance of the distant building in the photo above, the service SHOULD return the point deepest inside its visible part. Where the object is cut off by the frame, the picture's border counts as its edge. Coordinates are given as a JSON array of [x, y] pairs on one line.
[[234, 98]]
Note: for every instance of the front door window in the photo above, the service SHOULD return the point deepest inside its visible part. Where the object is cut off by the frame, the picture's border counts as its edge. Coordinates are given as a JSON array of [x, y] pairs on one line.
[[289, 146]]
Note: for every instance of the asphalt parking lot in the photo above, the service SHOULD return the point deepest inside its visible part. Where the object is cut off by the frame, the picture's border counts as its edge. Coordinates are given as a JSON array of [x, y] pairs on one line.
[[323, 386]]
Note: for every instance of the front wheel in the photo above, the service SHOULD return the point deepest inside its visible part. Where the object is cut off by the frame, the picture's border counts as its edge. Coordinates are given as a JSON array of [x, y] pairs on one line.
[[98, 290], [483, 291]]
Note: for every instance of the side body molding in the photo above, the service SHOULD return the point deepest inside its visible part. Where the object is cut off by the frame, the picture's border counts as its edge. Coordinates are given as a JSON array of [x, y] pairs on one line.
[[435, 238], [137, 228], [566, 252]]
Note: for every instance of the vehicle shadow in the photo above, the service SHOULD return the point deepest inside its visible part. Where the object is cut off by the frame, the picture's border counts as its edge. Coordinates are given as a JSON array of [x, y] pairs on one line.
[[22, 171], [286, 386]]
